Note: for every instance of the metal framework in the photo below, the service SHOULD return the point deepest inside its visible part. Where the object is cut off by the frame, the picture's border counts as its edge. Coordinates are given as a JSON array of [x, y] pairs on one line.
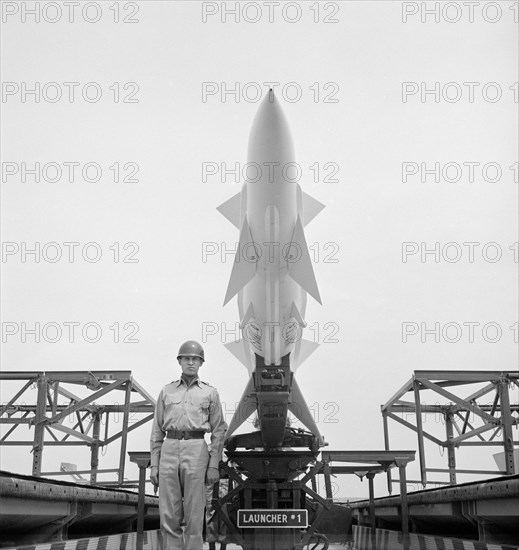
[[244, 490], [476, 419], [47, 410], [369, 464]]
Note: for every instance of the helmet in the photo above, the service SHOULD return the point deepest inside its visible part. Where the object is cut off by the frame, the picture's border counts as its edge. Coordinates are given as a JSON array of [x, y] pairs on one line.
[[191, 349]]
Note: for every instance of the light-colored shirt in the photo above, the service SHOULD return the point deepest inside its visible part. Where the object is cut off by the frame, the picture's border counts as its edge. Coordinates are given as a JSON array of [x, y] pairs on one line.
[[193, 407]]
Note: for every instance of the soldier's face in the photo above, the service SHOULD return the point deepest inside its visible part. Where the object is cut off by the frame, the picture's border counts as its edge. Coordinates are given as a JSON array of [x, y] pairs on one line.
[[190, 365]]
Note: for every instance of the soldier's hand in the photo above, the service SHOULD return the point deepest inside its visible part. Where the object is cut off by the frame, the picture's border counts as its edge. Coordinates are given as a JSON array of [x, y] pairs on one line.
[[212, 475], [154, 476]]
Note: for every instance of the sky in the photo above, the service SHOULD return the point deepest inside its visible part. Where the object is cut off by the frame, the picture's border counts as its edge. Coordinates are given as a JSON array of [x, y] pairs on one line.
[[404, 119]]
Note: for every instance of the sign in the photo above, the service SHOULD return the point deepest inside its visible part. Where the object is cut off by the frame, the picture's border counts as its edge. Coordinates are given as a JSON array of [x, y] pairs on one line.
[[279, 518]]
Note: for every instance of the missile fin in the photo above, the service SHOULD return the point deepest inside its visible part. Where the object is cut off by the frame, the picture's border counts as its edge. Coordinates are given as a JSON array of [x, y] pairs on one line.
[[304, 348], [311, 207], [243, 269], [299, 408], [248, 316], [301, 269], [240, 351], [245, 408], [297, 316], [231, 209]]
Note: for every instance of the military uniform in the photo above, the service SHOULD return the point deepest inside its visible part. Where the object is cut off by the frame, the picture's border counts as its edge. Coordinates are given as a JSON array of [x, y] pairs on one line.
[[216, 530], [182, 415]]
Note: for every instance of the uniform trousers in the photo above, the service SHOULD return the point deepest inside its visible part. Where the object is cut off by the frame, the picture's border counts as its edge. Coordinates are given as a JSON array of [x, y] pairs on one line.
[[182, 469], [216, 530]]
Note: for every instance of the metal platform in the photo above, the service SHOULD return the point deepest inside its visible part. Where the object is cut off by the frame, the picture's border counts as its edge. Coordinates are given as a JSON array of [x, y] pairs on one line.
[[35, 510], [486, 511]]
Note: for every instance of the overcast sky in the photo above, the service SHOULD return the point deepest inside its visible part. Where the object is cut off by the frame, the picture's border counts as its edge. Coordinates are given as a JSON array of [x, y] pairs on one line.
[[379, 96]]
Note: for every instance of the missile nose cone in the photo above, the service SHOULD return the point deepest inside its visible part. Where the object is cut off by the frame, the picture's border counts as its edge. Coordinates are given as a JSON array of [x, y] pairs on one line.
[[270, 139]]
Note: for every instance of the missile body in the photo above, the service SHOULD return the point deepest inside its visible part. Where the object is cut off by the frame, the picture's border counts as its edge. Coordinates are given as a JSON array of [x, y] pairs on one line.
[[272, 272]]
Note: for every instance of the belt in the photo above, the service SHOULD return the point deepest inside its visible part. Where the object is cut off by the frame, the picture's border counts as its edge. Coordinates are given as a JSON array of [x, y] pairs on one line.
[[184, 434]]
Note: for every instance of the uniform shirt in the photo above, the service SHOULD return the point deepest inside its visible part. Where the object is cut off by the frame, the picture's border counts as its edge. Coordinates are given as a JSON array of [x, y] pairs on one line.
[[193, 407]]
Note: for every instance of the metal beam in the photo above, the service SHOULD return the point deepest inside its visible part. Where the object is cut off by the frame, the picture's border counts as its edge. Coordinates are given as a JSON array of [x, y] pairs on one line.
[[404, 389], [380, 457], [149, 398], [361, 471], [81, 377], [11, 430], [403, 506], [76, 424], [39, 420], [419, 432], [414, 428], [481, 392], [506, 422], [451, 451], [66, 393], [408, 407], [49, 431], [22, 375], [482, 472], [47, 443], [73, 433], [124, 430], [17, 395], [464, 376], [465, 424], [130, 429], [67, 473], [386, 447], [472, 433], [94, 449], [458, 400], [484, 443], [77, 406], [372, 512], [22, 420]]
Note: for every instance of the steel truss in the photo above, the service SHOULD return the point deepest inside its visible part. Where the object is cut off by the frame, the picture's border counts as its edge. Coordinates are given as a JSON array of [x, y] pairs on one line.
[[53, 403], [476, 419]]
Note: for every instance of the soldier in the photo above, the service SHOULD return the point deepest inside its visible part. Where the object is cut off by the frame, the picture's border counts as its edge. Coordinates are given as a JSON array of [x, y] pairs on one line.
[[181, 464]]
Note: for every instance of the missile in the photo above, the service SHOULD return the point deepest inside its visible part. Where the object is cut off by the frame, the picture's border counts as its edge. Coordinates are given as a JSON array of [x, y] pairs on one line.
[[272, 273]]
